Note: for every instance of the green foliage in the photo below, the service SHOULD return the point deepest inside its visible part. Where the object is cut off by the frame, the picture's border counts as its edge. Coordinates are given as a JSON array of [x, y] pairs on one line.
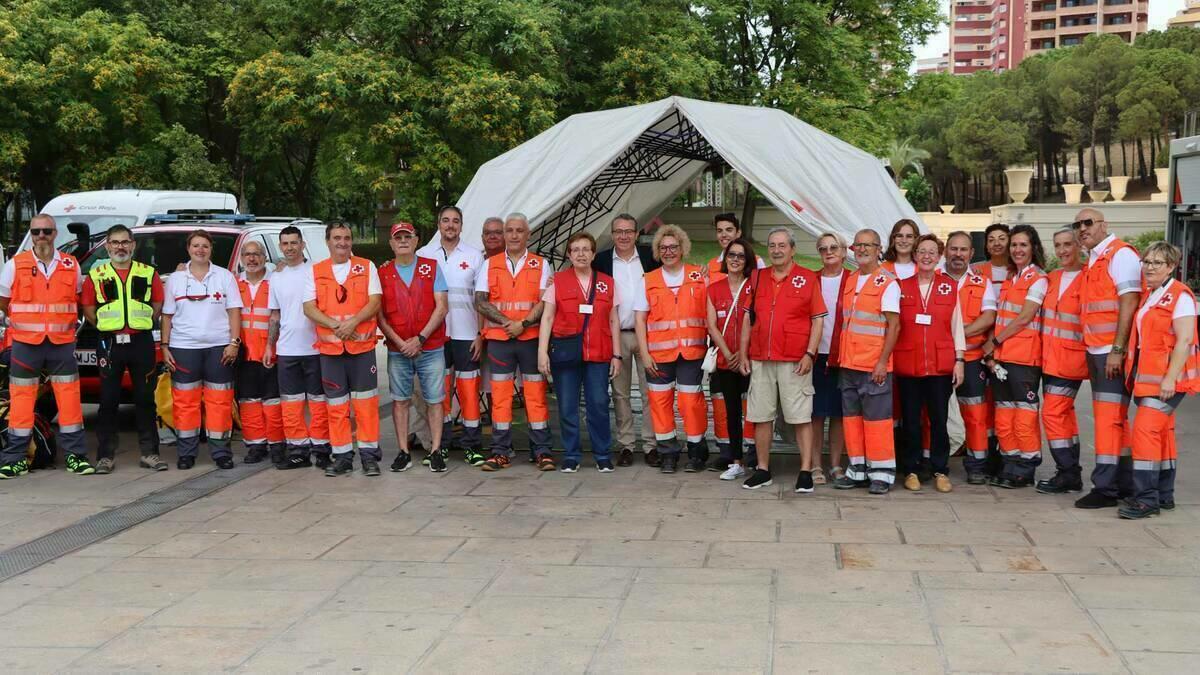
[[1142, 241], [919, 191]]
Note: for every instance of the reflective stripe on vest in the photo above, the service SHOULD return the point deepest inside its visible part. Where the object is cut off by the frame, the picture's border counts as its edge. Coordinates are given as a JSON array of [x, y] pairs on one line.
[[675, 324], [355, 295], [1153, 339], [1063, 351], [256, 318], [864, 325], [513, 295], [44, 308], [1025, 347], [111, 313], [1100, 305]]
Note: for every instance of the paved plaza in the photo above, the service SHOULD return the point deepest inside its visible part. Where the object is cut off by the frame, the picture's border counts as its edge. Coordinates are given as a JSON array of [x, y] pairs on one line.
[[633, 571]]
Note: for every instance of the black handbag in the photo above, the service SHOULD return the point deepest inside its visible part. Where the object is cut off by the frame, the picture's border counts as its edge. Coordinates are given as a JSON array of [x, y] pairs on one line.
[[569, 350]]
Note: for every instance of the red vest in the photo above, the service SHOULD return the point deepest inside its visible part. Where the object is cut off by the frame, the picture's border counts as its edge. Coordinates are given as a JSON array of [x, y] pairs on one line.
[[835, 345], [407, 307], [926, 349], [721, 296], [783, 314], [568, 321]]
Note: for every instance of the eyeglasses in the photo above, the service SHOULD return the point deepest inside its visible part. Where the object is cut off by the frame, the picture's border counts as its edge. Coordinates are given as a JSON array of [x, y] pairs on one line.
[[829, 249], [735, 256], [41, 231], [668, 248], [1152, 264], [120, 243], [1086, 222], [864, 244], [623, 233]]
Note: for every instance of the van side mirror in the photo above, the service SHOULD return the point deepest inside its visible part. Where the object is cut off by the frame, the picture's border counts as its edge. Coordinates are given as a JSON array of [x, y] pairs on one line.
[[83, 237]]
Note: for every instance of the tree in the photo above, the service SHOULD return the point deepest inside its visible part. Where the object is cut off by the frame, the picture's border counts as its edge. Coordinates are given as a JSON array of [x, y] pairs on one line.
[[903, 155], [1086, 83]]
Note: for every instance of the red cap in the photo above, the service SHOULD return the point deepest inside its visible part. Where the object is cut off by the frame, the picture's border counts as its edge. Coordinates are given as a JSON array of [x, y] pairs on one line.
[[403, 227]]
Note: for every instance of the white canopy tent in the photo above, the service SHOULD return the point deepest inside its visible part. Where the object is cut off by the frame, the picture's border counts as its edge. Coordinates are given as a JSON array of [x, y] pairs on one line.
[[586, 169]]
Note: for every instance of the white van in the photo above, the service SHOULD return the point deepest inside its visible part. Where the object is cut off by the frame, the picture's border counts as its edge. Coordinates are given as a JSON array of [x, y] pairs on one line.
[[102, 209]]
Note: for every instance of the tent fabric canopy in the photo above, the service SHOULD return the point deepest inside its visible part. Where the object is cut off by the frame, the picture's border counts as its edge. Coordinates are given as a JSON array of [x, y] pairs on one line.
[[584, 170]]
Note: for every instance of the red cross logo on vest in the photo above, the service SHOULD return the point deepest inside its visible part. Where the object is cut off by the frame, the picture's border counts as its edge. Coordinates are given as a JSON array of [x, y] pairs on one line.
[[601, 287], [1166, 300], [1031, 395], [944, 289], [1028, 274], [357, 269], [976, 279], [798, 281], [533, 263], [464, 265], [67, 263], [694, 276], [423, 270], [880, 280]]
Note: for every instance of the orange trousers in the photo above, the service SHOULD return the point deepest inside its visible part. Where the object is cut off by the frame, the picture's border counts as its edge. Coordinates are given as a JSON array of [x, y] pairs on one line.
[[300, 382], [351, 383], [200, 382], [27, 364], [867, 426]]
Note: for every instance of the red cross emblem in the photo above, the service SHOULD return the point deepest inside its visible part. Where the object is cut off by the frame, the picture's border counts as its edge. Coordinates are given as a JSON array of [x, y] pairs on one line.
[[1031, 396], [69, 209], [217, 295], [423, 270], [67, 263], [976, 279], [944, 289], [880, 280], [601, 287], [694, 276], [357, 269], [1028, 273], [464, 265], [1166, 300], [798, 281], [533, 263]]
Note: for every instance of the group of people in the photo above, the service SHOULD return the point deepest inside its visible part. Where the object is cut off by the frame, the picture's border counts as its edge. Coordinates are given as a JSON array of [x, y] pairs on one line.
[[873, 353]]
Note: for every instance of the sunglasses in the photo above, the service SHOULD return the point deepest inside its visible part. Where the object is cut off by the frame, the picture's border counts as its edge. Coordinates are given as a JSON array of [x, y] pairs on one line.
[[828, 249], [1086, 222], [194, 297], [41, 231], [342, 293]]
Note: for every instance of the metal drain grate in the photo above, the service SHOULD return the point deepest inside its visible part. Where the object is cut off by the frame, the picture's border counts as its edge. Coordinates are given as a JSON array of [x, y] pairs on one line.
[[100, 526]]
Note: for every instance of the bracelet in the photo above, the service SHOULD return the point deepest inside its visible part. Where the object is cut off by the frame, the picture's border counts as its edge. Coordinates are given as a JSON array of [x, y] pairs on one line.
[[618, 357], [959, 360], [811, 355]]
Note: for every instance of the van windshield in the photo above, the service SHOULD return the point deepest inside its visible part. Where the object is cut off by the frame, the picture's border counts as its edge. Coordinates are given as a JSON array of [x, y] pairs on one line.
[[166, 251], [97, 224]]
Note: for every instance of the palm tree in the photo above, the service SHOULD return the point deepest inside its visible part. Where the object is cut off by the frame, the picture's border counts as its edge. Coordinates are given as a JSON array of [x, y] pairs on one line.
[[902, 155]]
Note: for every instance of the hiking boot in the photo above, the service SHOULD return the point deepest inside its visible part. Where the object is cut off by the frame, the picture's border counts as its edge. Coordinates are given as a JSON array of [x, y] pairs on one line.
[[694, 465], [371, 468], [1095, 500], [437, 461], [474, 456], [1011, 482], [496, 463], [105, 465], [912, 482], [14, 469], [78, 464], [1059, 484], [719, 464], [294, 462], [277, 455], [1136, 511], [668, 463], [625, 458], [224, 463], [185, 463], [152, 462], [402, 462], [1167, 506], [760, 478], [343, 465], [879, 487], [254, 456]]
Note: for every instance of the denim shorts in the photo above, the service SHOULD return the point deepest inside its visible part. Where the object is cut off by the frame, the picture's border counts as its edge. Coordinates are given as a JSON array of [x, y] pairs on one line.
[[429, 366]]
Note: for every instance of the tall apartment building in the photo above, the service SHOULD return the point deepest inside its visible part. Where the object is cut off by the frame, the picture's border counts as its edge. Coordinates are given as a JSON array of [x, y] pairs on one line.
[[1186, 18], [997, 34]]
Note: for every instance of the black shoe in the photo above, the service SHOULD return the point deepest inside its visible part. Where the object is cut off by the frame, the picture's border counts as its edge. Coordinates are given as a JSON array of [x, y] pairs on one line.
[[1060, 484], [321, 460], [1095, 500], [224, 463], [1136, 511], [694, 465], [437, 461], [760, 478], [879, 487], [604, 466], [277, 456], [255, 456], [294, 462], [1167, 506], [977, 478], [185, 463], [1011, 482], [370, 467], [402, 462], [668, 463], [719, 464], [654, 459], [804, 482], [847, 483], [625, 458], [343, 465]]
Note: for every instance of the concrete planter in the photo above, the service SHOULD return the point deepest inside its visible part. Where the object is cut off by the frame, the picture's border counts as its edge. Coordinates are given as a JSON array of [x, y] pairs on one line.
[[1018, 183], [1098, 196], [1118, 185], [947, 208], [1073, 192], [1163, 177]]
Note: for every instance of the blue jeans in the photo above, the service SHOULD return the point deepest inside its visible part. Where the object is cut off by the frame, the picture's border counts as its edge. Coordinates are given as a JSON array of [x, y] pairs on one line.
[[429, 367], [593, 378]]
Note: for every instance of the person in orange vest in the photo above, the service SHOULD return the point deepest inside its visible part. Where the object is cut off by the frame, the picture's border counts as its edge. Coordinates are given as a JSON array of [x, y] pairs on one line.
[[1064, 363], [827, 396], [342, 298], [39, 291], [929, 361], [780, 336], [728, 300], [412, 317], [727, 229], [1112, 289], [670, 325], [508, 293], [580, 347], [977, 304], [871, 325], [257, 382], [899, 256], [1163, 365], [1014, 353], [201, 339], [995, 268]]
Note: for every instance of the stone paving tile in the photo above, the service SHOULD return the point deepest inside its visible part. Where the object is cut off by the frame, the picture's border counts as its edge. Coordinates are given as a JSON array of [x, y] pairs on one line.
[[285, 575], [191, 649], [241, 522], [500, 655], [994, 534], [558, 486], [674, 650], [274, 546], [53, 626], [1150, 630], [13, 595], [1167, 561], [903, 624], [1029, 511], [675, 602], [783, 556], [346, 504], [1157, 663], [691, 529], [1133, 592], [882, 510], [552, 619], [713, 488], [272, 502], [184, 545], [575, 581], [220, 608], [369, 523], [1175, 534], [805, 586], [405, 594], [785, 510], [455, 505], [702, 577], [1000, 608], [908, 557], [599, 528], [505, 551], [508, 526], [562, 507], [1057, 559], [839, 532], [989, 581], [644, 553], [333, 659], [115, 588], [655, 507], [61, 572], [853, 657], [38, 659], [1034, 648], [427, 570], [388, 547], [1116, 533]]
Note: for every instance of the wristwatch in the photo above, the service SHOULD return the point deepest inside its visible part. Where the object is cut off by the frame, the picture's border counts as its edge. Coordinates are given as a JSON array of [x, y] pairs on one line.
[[1118, 350], [811, 355], [236, 342], [525, 323], [421, 338], [618, 357]]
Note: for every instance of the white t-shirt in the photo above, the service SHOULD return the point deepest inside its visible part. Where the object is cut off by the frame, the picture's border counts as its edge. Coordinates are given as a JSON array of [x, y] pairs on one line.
[[1065, 282], [1124, 269], [201, 322], [481, 280], [9, 272], [829, 293], [1185, 307], [297, 334], [905, 270], [891, 294], [340, 272], [630, 279], [673, 281], [460, 268]]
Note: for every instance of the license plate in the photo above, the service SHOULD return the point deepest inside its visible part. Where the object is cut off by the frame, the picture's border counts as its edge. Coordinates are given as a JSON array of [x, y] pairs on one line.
[[85, 357]]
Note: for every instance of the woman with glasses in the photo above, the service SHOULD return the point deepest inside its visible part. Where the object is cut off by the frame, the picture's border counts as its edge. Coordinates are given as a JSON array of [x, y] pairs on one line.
[[827, 399], [728, 299], [898, 259], [201, 338], [1164, 364], [928, 361]]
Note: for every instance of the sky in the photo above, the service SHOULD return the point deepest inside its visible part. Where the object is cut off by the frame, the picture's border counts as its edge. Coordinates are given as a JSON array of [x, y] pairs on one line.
[[1160, 11]]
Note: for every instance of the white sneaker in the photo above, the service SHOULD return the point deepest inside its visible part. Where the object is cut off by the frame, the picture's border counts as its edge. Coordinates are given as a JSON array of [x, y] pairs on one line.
[[733, 472]]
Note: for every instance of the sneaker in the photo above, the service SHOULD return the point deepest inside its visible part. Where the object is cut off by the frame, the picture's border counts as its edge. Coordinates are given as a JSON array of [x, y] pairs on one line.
[[185, 463], [17, 468], [760, 478], [321, 460], [804, 482], [668, 463], [1137, 511], [941, 483], [977, 478], [343, 465], [1059, 484], [496, 463], [1095, 500], [403, 462], [848, 483], [370, 467], [224, 463], [474, 457], [604, 466], [277, 455], [545, 462], [694, 465], [879, 487], [912, 482], [719, 463], [1167, 506], [78, 464], [569, 466], [294, 462], [444, 454], [152, 462], [818, 477], [625, 458], [105, 465], [836, 473], [437, 461], [255, 456], [734, 472]]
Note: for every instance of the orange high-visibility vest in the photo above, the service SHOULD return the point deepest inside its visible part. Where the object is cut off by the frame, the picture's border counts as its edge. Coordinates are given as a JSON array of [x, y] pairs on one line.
[[1151, 344], [44, 308], [342, 301], [970, 305], [864, 326], [1063, 352], [1024, 348], [1100, 306], [514, 296], [256, 318], [675, 325]]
